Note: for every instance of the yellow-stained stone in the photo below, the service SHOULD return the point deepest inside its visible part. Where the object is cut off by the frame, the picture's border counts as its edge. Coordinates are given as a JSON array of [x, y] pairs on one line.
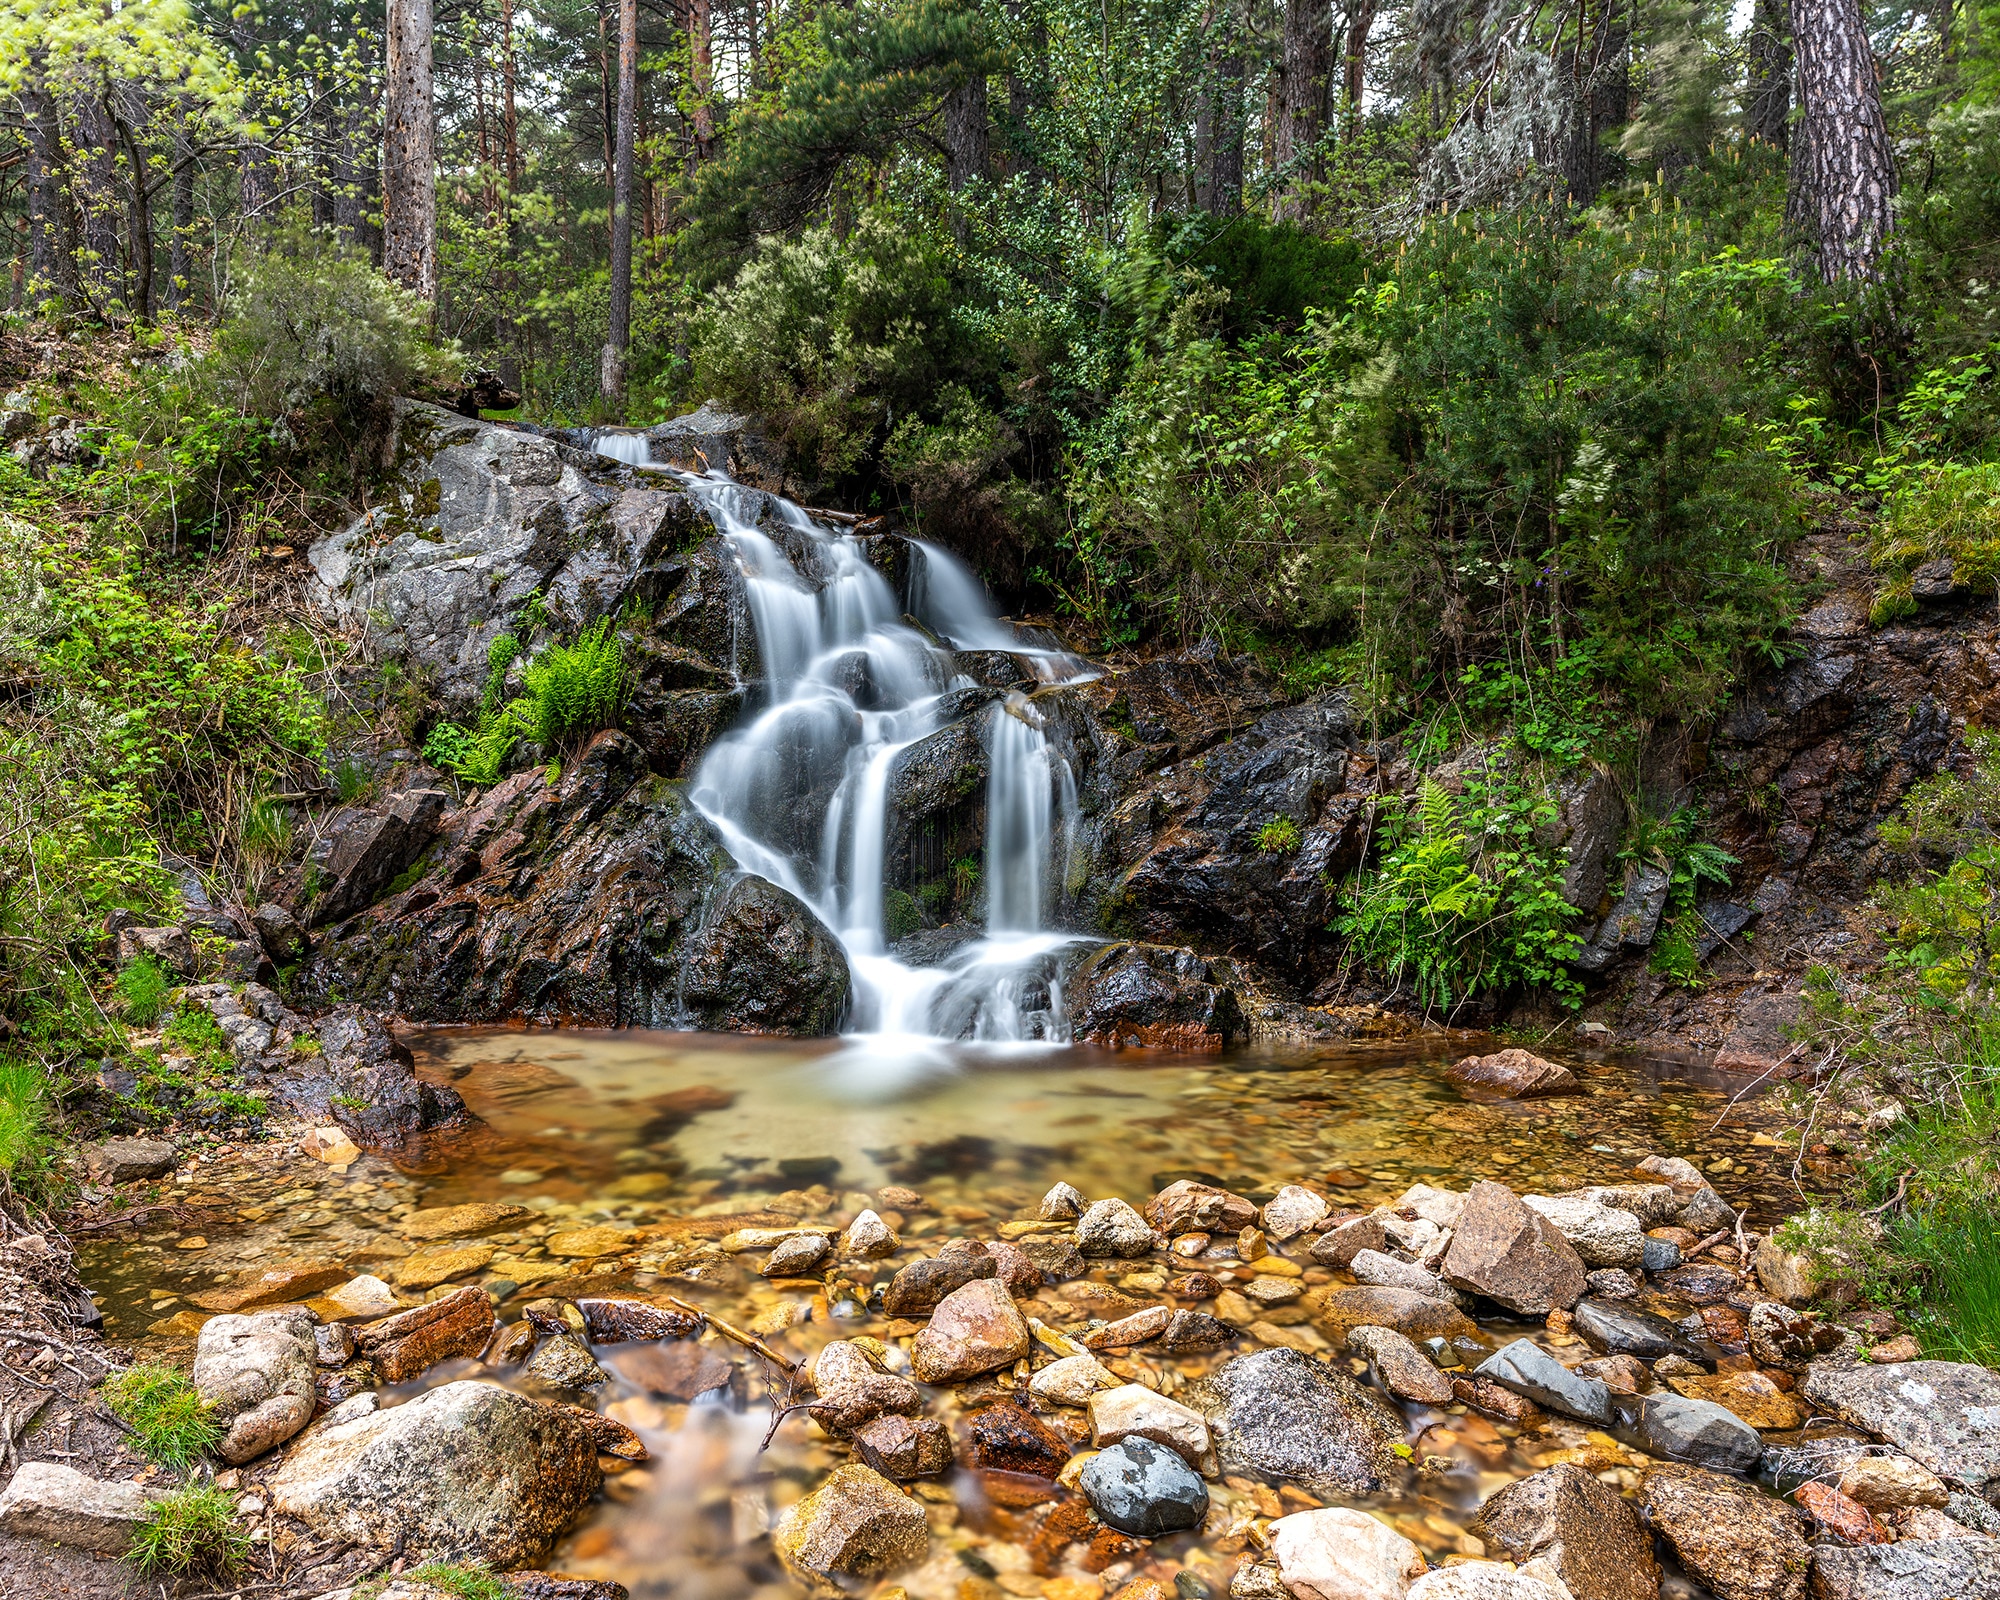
[[459, 1222], [181, 1325], [429, 1268], [602, 1240]]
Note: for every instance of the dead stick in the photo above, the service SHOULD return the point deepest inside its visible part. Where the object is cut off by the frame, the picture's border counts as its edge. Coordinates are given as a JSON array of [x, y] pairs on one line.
[[749, 1341]]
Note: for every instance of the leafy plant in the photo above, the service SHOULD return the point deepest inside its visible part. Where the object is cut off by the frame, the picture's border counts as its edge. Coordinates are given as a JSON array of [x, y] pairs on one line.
[[500, 655], [191, 1529], [141, 989], [171, 1424], [1278, 837], [1674, 845], [575, 689], [1950, 513]]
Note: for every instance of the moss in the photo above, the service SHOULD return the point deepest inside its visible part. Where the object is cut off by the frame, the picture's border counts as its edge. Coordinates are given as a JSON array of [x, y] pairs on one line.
[[901, 914]]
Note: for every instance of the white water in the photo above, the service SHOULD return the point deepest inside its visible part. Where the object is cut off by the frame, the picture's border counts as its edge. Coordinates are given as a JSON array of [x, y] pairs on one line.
[[848, 686]]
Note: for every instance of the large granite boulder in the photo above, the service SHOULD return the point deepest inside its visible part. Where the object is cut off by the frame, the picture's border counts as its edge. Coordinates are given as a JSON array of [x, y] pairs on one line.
[[1945, 1415], [1738, 1541], [255, 1374], [1284, 1415], [1149, 996], [1508, 1253]]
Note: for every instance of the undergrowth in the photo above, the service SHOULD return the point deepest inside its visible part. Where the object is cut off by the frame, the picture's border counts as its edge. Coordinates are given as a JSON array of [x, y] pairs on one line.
[[190, 1529], [171, 1424]]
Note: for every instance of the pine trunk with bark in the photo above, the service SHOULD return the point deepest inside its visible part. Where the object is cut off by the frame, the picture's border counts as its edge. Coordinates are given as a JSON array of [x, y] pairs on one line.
[[1360, 23], [1767, 107], [701, 57], [1845, 173], [51, 257], [617, 344], [1304, 71], [409, 152], [1601, 70]]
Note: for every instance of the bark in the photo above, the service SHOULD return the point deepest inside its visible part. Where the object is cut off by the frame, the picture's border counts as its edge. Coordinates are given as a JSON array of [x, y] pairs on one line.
[[51, 262], [409, 153], [1600, 65], [510, 127], [966, 142], [1306, 65], [1768, 108], [618, 342], [1846, 181], [1224, 169], [180, 236], [1360, 23], [97, 204], [138, 203], [701, 52]]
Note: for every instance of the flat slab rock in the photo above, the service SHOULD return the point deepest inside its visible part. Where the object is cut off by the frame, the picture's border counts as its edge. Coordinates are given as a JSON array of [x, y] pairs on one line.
[[46, 1500], [1911, 1569], [1945, 1415]]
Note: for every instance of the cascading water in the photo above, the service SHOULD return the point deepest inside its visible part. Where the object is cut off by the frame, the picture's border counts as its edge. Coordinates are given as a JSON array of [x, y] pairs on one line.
[[801, 792]]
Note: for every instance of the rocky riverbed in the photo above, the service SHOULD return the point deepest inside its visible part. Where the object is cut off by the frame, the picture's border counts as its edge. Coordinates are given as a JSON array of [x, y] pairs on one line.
[[1358, 1323]]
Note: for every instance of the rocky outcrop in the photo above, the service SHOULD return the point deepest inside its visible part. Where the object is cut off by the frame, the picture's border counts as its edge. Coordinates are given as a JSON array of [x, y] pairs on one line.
[[1143, 996], [1945, 1415], [370, 1084], [602, 899]]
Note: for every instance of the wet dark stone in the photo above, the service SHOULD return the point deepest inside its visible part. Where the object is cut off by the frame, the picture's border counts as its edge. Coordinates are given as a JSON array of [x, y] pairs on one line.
[[1195, 1330], [904, 1447], [1144, 1489], [1662, 1255], [1008, 1439], [621, 1321], [677, 1370], [917, 1288], [1158, 997], [1618, 1330], [1698, 1432], [1701, 1283]]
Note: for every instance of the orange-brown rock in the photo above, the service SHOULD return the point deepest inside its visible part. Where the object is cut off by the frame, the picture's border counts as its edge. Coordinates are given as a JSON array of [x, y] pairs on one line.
[[412, 1342]]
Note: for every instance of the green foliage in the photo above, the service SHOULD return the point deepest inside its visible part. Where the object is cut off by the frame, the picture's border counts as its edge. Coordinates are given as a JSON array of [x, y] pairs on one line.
[[901, 915], [1946, 916], [1949, 512], [1463, 901], [1278, 837], [191, 1529], [170, 1422], [141, 989], [575, 689], [195, 1032], [1276, 273], [501, 654], [1674, 845], [25, 1144]]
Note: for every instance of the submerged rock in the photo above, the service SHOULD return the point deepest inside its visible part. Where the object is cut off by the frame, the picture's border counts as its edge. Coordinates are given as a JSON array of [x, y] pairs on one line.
[[1144, 1489], [857, 1523], [1284, 1415]]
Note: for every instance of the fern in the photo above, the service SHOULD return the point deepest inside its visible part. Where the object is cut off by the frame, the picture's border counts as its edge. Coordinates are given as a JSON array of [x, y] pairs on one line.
[[575, 689]]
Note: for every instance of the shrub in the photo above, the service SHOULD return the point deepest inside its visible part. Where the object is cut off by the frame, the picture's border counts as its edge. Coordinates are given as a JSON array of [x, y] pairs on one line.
[[574, 689], [141, 987], [170, 1421], [193, 1529], [1279, 836]]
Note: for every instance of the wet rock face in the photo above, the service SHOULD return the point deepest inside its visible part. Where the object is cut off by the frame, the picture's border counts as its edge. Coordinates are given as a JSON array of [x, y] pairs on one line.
[[370, 1083], [1740, 1543], [363, 849], [589, 902], [469, 1470], [716, 439], [1285, 1415], [1150, 996], [1587, 1531]]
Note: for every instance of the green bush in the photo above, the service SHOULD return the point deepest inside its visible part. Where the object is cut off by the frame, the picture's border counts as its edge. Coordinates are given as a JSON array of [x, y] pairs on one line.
[[141, 988], [1279, 837], [575, 689], [170, 1422], [1951, 512], [24, 1114], [192, 1529]]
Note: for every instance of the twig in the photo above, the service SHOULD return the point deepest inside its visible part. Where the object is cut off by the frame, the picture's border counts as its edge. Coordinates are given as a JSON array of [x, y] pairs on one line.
[[749, 1341], [1709, 1243], [1896, 1199], [59, 1345], [1740, 1093]]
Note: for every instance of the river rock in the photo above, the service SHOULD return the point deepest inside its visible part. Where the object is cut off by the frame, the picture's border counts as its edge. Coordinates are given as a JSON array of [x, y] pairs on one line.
[[1910, 1569], [371, 1085], [918, 1287], [1696, 1431], [1527, 1369], [1441, 1208], [1281, 1414], [620, 1321], [1602, 1235], [1381, 1271], [1834, 1513], [1340, 1245], [1415, 1316], [283, 1283], [1626, 1331], [681, 1370], [1190, 1331], [1787, 1274], [1750, 1395], [1132, 1411], [1190, 1207], [868, 1238], [1513, 1075], [1892, 1483], [1504, 1251], [256, 1375], [461, 1222], [1402, 1369], [798, 1255], [468, 1469], [116, 1161], [1004, 1438], [562, 1362], [1943, 1414], [1586, 1531], [854, 1402], [1662, 1255], [429, 1268], [1484, 1580], [1293, 1210], [1701, 1210], [857, 1523], [1070, 1381], [1141, 1327], [1113, 1228], [1057, 1259], [46, 1500], [976, 1328], [1741, 1543], [1062, 1204], [412, 1342], [1612, 1283], [1339, 1554], [903, 1448], [1143, 1489], [1787, 1339]]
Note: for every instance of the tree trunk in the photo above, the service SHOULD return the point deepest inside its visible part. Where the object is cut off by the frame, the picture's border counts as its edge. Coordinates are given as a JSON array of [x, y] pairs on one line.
[[96, 188], [1848, 175], [701, 54], [138, 202], [1768, 106], [1023, 98], [1602, 88], [510, 127], [611, 377], [51, 262], [1360, 23], [1224, 196], [409, 153], [965, 137], [1308, 59], [180, 240]]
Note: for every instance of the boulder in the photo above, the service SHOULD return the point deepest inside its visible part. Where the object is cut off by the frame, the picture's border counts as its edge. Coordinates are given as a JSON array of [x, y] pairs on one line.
[[1293, 1210], [1339, 1554], [283, 935], [127, 1160], [1787, 1274], [468, 1469], [975, 1329], [1340, 1245], [1527, 1369], [800, 1254], [1281, 1414], [1149, 996], [1400, 1367], [362, 850], [371, 1083], [868, 1238], [1602, 1235], [46, 1500], [1586, 1531], [857, 1523], [1113, 1228], [1618, 1330], [1945, 1415], [561, 1362], [1132, 1411], [1910, 1569], [1512, 1255], [170, 947], [903, 1448], [1696, 1431], [1739, 1542], [1143, 1489], [917, 1288], [411, 1342], [1190, 1207], [1062, 1204], [256, 1375], [1513, 1075]]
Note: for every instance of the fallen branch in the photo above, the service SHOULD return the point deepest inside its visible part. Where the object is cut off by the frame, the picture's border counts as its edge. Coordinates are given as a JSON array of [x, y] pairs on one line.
[[749, 1341], [1896, 1199]]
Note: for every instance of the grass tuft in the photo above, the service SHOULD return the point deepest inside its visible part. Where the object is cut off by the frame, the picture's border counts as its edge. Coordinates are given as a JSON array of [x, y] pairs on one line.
[[24, 1113], [141, 987], [170, 1422], [191, 1530]]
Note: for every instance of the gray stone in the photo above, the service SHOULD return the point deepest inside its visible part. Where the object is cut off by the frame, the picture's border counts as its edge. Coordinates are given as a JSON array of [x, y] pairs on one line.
[[170, 947], [1627, 1331], [1632, 924], [1612, 1283], [801, 1253], [363, 850], [256, 1374], [1386, 1272], [1602, 1235], [1527, 1369], [856, 1523], [1144, 1489], [1662, 1255], [1698, 1432], [467, 1469], [1909, 1569], [127, 1160], [1943, 1414], [1062, 1204], [45, 1500], [1738, 1541], [283, 935], [372, 1087], [1337, 1247], [561, 1362], [1113, 1228], [1586, 1531], [1282, 1414]]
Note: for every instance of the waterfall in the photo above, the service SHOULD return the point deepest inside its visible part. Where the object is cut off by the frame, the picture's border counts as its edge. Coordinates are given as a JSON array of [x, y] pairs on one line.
[[799, 792]]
